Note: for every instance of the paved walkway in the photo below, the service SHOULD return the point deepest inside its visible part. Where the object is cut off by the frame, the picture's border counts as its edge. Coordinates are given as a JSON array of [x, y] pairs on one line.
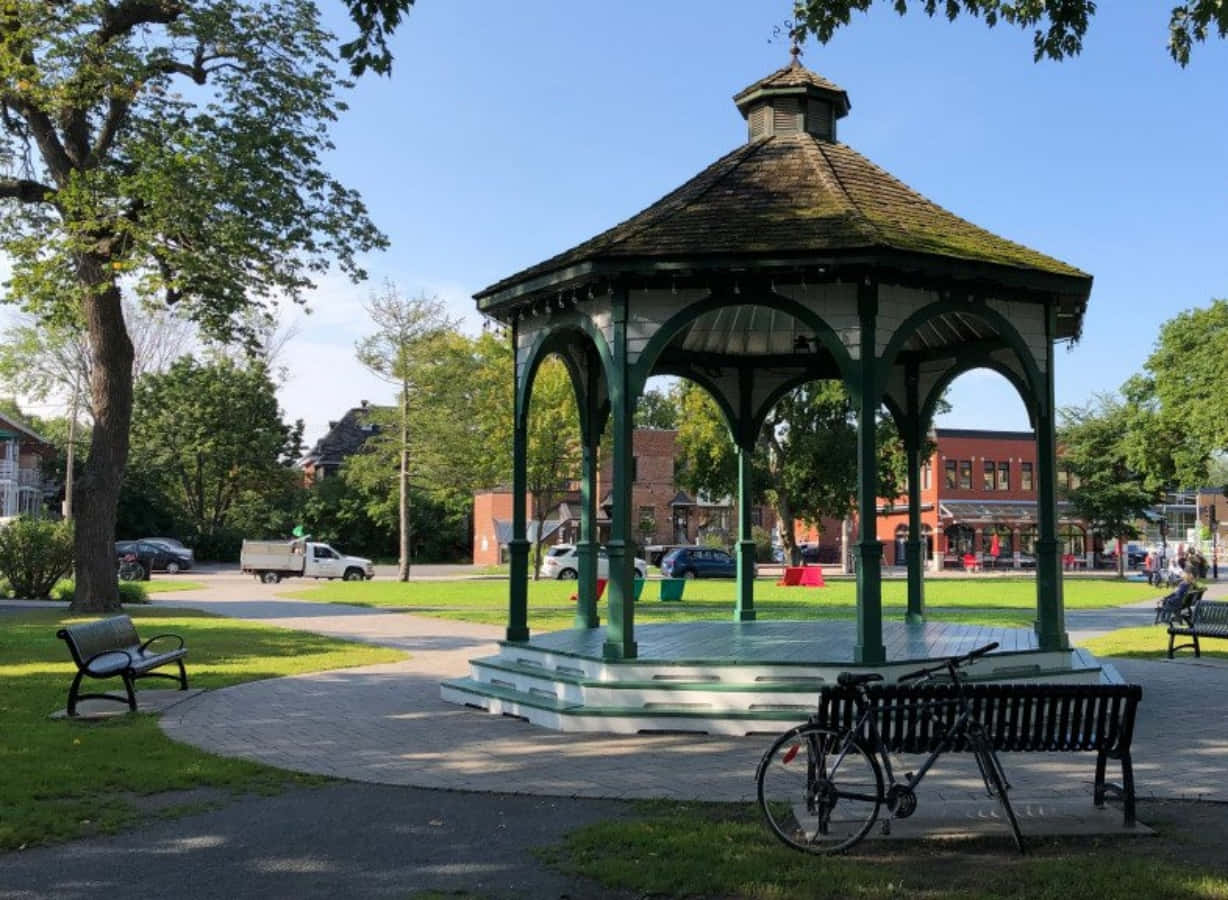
[[386, 724]]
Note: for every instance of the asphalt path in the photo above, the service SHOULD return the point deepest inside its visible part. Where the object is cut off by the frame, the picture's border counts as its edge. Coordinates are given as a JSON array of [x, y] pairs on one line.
[[337, 841]]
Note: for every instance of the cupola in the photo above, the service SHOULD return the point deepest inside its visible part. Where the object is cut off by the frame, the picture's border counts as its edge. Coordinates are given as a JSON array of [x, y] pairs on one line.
[[792, 100]]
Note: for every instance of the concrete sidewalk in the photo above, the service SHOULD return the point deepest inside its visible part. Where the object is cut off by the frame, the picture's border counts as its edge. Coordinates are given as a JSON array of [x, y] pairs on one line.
[[386, 724]]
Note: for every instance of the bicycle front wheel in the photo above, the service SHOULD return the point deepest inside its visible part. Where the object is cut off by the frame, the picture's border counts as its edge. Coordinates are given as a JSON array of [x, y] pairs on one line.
[[820, 790]]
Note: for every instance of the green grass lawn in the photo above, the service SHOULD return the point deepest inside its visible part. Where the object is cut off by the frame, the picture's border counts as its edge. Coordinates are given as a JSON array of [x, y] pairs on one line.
[[998, 601], [724, 850], [1150, 642], [63, 779], [168, 584]]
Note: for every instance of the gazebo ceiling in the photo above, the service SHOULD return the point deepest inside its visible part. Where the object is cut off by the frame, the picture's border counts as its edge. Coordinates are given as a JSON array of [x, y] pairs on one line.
[[794, 200], [751, 330]]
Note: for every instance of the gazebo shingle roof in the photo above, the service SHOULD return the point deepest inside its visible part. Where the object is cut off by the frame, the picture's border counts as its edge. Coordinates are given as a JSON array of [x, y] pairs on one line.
[[795, 194]]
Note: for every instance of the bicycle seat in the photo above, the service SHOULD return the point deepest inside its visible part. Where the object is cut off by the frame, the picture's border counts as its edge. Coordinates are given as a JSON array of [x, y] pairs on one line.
[[852, 679]]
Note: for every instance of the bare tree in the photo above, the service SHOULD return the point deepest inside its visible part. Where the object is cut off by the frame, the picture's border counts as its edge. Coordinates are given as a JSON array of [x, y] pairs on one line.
[[405, 328]]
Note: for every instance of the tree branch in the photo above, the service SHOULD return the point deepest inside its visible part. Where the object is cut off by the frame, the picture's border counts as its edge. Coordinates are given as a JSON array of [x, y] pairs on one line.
[[117, 111], [25, 190], [122, 18]]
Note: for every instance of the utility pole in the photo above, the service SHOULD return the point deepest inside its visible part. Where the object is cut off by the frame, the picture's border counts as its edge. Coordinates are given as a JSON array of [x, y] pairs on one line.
[[72, 440]]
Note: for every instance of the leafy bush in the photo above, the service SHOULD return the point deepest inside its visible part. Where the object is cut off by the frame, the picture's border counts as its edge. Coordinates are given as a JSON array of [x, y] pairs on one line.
[[34, 555], [129, 591], [763, 544]]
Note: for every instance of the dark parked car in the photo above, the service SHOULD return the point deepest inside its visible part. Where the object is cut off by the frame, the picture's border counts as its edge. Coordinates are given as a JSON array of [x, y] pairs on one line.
[[172, 544], [154, 557], [698, 562]]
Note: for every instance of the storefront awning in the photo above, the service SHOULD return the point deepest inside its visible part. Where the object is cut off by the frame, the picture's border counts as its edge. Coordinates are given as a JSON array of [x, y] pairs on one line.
[[993, 512]]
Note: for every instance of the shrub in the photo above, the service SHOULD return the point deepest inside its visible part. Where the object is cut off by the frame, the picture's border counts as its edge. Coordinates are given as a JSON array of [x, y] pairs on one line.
[[763, 544], [34, 555], [129, 591]]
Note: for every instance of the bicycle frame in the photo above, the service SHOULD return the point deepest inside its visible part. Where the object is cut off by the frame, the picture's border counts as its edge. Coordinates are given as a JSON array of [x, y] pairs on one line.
[[867, 725]]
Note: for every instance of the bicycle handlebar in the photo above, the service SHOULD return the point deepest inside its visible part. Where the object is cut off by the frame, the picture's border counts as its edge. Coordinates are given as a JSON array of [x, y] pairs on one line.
[[950, 664]]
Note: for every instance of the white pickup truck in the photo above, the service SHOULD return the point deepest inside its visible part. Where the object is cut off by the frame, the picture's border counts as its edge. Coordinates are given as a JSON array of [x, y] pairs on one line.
[[271, 561]]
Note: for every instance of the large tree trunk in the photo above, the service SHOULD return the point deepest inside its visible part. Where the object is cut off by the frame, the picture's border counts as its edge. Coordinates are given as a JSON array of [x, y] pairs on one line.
[[97, 494]]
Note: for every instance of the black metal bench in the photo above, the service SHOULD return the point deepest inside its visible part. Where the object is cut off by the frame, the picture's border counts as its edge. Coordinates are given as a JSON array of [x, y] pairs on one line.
[[110, 648], [1204, 619], [1019, 718]]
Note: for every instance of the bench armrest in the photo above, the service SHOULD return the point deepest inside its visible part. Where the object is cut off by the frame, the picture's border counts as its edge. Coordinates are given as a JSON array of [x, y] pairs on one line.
[[158, 637], [88, 665]]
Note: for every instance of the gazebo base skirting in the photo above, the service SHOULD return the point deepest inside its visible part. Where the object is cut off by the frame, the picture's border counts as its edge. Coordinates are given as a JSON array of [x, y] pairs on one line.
[[730, 678]]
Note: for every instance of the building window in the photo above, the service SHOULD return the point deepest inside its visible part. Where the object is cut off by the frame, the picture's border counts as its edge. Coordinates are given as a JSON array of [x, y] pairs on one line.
[[987, 484], [925, 477], [1073, 541], [756, 516], [965, 474], [1025, 476], [1004, 476], [951, 473]]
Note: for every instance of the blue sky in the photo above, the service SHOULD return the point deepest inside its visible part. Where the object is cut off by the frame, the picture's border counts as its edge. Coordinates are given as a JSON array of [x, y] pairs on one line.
[[510, 131]]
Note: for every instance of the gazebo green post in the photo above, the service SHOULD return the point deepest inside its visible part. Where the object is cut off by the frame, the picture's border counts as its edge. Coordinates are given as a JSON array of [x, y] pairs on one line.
[[1050, 608], [869, 649], [518, 546], [620, 629], [745, 610], [586, 547], [744, 434], [914, 434]]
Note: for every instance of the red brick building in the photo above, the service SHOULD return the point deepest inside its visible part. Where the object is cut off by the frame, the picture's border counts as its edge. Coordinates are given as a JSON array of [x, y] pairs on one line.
[[978, 496]]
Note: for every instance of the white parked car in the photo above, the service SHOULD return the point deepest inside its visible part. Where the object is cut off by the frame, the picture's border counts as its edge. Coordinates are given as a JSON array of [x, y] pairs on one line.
[[561, 562]]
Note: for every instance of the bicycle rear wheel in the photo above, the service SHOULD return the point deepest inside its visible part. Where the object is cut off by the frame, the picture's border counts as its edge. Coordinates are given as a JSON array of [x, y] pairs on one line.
[[820, 790]]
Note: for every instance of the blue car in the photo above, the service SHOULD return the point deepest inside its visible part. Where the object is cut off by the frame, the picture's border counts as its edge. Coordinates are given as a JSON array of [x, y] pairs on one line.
[[698, 562]]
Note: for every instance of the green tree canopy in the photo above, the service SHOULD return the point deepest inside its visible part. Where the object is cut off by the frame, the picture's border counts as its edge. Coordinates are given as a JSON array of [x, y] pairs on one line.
[[174, 153], [209, 438], [657, 409], [1186, 374], [1059, 24], [1105, 490]]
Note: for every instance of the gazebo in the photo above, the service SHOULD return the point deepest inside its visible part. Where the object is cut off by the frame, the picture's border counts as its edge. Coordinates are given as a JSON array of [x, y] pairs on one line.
[[790, 259]]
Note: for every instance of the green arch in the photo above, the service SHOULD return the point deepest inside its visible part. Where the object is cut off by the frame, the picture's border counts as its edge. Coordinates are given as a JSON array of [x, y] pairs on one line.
[[574, 331], [727, 411], [679, 320], [968, 364], [1005, 329]]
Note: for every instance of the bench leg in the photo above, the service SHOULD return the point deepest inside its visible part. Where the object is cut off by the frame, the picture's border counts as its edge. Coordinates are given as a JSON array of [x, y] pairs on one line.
[[128, 686], [1127, 789], [183, 676], [1098, 789], [1197, 649], [72, 693]]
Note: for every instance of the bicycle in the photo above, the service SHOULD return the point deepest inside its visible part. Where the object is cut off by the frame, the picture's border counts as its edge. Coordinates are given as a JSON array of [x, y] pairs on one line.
[[822, 789], [130, 568]]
